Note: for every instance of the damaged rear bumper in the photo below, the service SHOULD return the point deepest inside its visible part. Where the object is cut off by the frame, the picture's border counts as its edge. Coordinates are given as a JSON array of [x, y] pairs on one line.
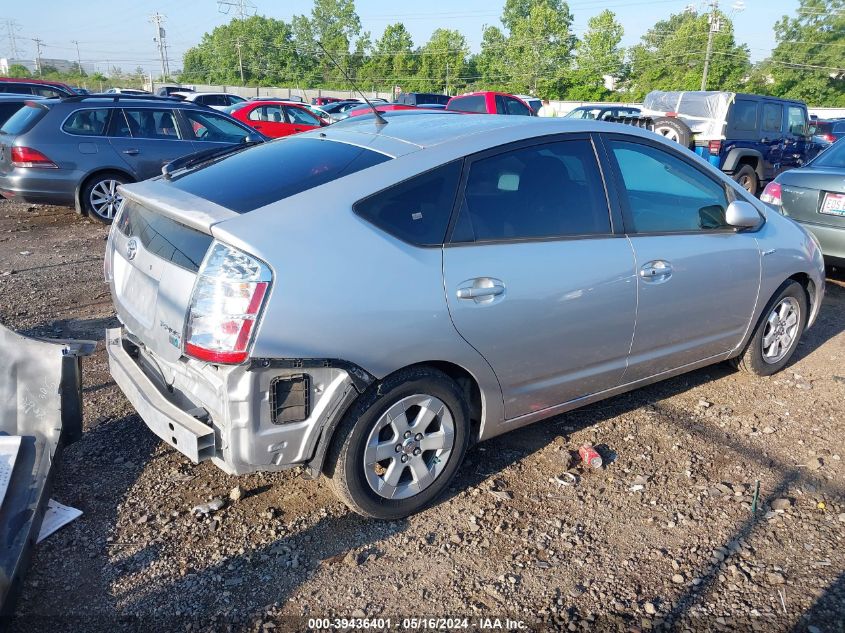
[[40, 403], [265, 416]]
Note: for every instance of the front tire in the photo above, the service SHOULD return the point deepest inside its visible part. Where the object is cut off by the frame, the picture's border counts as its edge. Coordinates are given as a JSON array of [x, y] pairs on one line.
[[777, 334], [100, 199], [400, 445]]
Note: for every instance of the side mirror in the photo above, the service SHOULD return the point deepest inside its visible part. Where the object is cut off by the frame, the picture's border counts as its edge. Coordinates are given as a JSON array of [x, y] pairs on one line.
[[252, 138], [742, 215]]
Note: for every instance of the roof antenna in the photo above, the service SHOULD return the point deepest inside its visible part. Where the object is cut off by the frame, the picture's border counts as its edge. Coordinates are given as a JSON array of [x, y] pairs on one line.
[[380, 120]]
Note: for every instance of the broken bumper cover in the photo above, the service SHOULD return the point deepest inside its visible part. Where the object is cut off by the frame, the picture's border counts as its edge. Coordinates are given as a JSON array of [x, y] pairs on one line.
[[231, 414], [40, 401]]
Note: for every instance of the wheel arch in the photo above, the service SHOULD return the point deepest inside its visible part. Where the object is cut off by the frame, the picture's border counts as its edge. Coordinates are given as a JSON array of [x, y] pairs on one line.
[[83, 182], [744, 156]]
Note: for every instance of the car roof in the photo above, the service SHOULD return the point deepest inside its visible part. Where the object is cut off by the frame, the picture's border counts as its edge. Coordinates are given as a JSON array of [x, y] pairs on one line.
[[115, 100], [42, 82]]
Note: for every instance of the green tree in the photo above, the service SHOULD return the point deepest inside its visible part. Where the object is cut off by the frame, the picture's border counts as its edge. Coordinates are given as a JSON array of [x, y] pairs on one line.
[[443, 62], [18, 70], [539, 46], [392, 60], [337, 27], [671, 56], [808, 62], [597, 54], [491, 65]]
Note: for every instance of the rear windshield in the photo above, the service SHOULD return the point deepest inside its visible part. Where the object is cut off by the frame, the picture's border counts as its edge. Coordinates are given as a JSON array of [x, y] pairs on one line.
[[276, 170], [833, 156], [23, 120]]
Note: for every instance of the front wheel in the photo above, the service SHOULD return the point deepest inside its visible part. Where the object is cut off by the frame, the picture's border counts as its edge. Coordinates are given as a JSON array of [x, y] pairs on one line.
[[400, 445], [777, 334]]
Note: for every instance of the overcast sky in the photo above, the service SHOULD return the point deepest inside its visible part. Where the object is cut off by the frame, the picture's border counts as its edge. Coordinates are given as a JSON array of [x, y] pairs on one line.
[[119, 33]]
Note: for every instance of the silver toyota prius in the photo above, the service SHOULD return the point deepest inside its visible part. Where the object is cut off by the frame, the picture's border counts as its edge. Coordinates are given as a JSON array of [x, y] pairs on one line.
[[369, 299]]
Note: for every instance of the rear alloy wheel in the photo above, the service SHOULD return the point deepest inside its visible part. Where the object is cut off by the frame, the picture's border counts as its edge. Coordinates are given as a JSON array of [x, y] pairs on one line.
[[746, 178], [101, 198], [777, 334], [400, 445]]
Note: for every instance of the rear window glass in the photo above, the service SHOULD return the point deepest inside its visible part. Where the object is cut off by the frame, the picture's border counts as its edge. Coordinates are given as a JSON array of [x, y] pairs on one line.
[[23, 120], [276, 170], [477, 104], [418, 209], [164, 237], [7, 109], [834, 156]]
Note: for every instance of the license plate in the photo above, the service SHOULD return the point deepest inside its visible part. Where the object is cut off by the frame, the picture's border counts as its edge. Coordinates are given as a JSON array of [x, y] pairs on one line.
[[137, 291], [834, 204]]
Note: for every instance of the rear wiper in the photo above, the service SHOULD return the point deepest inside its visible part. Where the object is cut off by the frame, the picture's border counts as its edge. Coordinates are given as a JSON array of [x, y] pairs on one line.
[[202, 157]]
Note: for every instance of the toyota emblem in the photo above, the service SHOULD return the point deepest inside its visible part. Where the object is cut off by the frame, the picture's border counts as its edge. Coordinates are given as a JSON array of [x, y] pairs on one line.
[[131, 249]]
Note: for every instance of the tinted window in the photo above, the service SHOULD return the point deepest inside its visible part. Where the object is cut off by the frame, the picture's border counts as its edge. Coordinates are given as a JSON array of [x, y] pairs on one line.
[[300, 116], [213, 100], [665, 193], [796, 120], [475, 103], [542, 191], [87, 122], [215, 127], [233, 99], [416, 210], [516, 107], [839, 128], [834, 156], [273, 171], [47, 92], [7, 109], [21, 89], [23, 120], [744, 115], [501, 108], [772, 117], [164, 237], [149, 123]]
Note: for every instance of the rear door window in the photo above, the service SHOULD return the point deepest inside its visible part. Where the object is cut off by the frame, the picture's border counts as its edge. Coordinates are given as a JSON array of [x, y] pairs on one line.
[[744, 116], [772, 117], [416, 210], [474, 103], [542, 191], [88, 122], [273, 171], [150, 123]]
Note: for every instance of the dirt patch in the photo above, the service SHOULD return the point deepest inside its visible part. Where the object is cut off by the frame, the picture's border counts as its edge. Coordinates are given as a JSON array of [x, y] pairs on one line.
[[664, 534]]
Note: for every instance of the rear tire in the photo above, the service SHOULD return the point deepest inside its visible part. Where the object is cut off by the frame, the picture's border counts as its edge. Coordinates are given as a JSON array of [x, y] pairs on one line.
[[777, 333], [99, 196], [746, 177], [400, 445], [674, 130]]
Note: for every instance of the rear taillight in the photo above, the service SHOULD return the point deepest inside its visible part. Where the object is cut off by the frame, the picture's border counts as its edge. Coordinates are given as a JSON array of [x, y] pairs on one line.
[[28, 157], [228, 296], [715, 147], [830, 138], [772, 194]]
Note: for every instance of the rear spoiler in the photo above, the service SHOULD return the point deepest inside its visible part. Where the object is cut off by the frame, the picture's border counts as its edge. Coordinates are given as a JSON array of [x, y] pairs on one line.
[[40, 413]]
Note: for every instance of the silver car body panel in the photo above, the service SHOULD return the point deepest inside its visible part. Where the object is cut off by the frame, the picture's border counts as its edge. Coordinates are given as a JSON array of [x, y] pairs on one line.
[[344, 289]]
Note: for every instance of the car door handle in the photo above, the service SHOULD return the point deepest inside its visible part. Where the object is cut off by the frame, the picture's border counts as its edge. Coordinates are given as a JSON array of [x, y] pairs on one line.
[[657, 270], [132, 151], [257, 127], [477, 293]]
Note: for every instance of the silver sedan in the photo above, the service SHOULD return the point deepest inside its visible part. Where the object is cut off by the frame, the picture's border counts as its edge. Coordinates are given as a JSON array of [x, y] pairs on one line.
[[369, 299]]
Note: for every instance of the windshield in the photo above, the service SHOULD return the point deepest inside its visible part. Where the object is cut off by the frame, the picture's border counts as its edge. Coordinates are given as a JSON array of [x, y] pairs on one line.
[[22, 120], [833, 156], [276, 170]]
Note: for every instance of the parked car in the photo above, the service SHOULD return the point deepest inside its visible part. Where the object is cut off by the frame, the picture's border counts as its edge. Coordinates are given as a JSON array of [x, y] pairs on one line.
[[11, 103], [750, 137], [76, 151], [416, 98], [814, 195], [276, 118], [489, 103], [80, 90], [166, 91], [602, 112], [334, 110], [216, 100], [831, 131], [321, 101], [127, 91], [35, 87], [532, 102], [487, 289]]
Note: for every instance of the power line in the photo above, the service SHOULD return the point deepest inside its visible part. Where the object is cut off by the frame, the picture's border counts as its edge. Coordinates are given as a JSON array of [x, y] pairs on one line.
[[244, 8], [161, 40]]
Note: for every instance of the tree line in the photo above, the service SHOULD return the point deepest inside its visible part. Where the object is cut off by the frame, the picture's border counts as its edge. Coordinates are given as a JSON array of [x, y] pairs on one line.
[[532, 51]]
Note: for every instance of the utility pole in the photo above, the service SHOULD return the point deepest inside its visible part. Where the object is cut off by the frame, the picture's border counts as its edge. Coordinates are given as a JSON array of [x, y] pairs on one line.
[[12, 27], [78, 59], [240, 59], [715, 27], [243, 8], [38, 45], [447, 75], [160, 39]]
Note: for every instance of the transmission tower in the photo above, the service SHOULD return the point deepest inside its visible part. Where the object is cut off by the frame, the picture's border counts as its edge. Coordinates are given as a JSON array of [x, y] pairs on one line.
[[161, 40], [243, 8], [12, 27]]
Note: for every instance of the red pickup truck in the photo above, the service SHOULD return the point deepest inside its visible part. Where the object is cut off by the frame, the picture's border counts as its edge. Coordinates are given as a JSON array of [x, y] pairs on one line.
[[489, 102]]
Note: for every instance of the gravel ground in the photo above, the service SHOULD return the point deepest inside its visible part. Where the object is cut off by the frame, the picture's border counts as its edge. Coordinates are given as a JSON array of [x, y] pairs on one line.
[[663, 537]]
